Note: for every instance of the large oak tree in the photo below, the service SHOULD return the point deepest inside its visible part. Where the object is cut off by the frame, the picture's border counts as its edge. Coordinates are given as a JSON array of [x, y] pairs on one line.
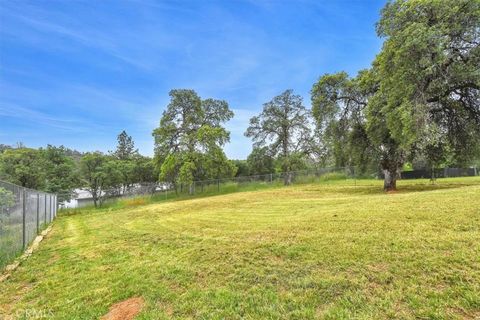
[[421, 94], [189, 140], [284, 128]]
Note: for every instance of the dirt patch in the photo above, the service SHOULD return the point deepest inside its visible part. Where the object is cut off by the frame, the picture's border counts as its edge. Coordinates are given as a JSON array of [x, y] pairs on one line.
[[125, 310]]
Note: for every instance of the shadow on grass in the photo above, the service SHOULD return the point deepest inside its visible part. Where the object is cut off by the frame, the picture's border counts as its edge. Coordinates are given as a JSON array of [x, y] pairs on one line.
[[403, 186]]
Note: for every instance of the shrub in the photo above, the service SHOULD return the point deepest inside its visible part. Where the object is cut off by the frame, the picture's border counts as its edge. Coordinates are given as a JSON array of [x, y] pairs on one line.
[[134, 202], [333, 176]]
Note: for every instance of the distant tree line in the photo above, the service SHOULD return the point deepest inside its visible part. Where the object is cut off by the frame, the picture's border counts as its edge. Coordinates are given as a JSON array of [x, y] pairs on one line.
[[61, 170]]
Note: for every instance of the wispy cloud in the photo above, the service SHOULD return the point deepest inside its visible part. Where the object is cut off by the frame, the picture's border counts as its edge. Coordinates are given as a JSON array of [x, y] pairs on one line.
[[78, 72], [29, 115], [121, 42]]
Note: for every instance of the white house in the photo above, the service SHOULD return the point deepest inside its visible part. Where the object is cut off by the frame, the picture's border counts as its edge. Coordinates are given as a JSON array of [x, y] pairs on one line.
[[82, 198]]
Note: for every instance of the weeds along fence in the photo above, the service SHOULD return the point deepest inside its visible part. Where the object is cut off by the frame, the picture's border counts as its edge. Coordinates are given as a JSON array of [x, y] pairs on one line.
[[24, 213]]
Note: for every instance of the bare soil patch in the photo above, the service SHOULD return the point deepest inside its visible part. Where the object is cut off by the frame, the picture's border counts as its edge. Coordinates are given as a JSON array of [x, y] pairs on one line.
[[125, 310]]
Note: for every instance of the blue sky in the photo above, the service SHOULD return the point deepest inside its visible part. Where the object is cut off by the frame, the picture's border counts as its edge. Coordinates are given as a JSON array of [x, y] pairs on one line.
[[76, 73]]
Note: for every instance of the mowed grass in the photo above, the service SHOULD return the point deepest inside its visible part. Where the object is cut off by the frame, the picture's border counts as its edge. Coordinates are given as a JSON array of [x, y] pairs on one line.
[[314, 251]]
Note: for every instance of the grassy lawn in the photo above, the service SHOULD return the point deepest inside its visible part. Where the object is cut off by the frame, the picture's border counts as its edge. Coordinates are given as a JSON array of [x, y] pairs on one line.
[[313, 251]]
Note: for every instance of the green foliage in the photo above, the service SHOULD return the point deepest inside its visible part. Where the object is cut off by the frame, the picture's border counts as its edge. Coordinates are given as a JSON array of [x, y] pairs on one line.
[[189, 140], [429, 80], [185, 176], [260, 161], [60, 172], [144, 169], [4, 147], [128, 166], [49, 169], [101, 175], [338, 105], [125, 147], [333, 176], [283, 127], [421, 97], [23, 166], [243, 168]]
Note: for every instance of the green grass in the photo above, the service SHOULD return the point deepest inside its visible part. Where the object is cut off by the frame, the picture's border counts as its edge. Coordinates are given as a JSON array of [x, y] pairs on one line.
[[10, 243], [11, 240], [311, 251], [224, 187]]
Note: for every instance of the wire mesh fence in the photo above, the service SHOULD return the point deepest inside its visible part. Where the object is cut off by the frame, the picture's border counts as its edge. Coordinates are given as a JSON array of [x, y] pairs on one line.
[[169, 190], [353, 176], [23, 214]]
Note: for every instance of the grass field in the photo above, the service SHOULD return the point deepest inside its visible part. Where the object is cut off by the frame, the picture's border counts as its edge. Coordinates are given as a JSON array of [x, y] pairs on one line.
[[314, 251]]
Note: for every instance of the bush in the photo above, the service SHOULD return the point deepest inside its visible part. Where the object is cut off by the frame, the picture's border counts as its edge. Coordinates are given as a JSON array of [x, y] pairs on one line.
[[134, 202], [333, 176]]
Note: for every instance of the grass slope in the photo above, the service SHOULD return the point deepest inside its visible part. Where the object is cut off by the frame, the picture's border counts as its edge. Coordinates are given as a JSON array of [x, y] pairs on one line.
[[327, 251]]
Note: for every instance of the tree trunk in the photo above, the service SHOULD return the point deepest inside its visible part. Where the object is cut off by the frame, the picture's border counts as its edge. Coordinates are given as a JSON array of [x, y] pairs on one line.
[[287, 180], [390, 180], [94, 194], [392, 160], [191, 189], [95, 200]]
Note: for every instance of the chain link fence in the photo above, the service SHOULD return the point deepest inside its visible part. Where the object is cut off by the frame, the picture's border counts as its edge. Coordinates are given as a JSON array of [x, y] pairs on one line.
[[168, 190], [24, 213], [348, 175]]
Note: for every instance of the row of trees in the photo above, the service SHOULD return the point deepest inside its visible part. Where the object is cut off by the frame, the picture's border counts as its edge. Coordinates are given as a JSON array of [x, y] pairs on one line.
[[190, 139], [420, 101]]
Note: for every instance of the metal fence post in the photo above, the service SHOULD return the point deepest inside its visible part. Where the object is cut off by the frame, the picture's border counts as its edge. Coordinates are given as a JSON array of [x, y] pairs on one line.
[[24, 213], [38, 213], [45, 197]]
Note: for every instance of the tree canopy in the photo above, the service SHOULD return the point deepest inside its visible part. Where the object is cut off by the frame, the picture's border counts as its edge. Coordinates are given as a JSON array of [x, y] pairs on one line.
[[190, 138], [421, 96], [284, 128], [125, 147]]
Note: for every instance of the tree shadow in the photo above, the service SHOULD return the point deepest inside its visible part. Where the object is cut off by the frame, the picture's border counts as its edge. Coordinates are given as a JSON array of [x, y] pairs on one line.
[[404, 186]]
